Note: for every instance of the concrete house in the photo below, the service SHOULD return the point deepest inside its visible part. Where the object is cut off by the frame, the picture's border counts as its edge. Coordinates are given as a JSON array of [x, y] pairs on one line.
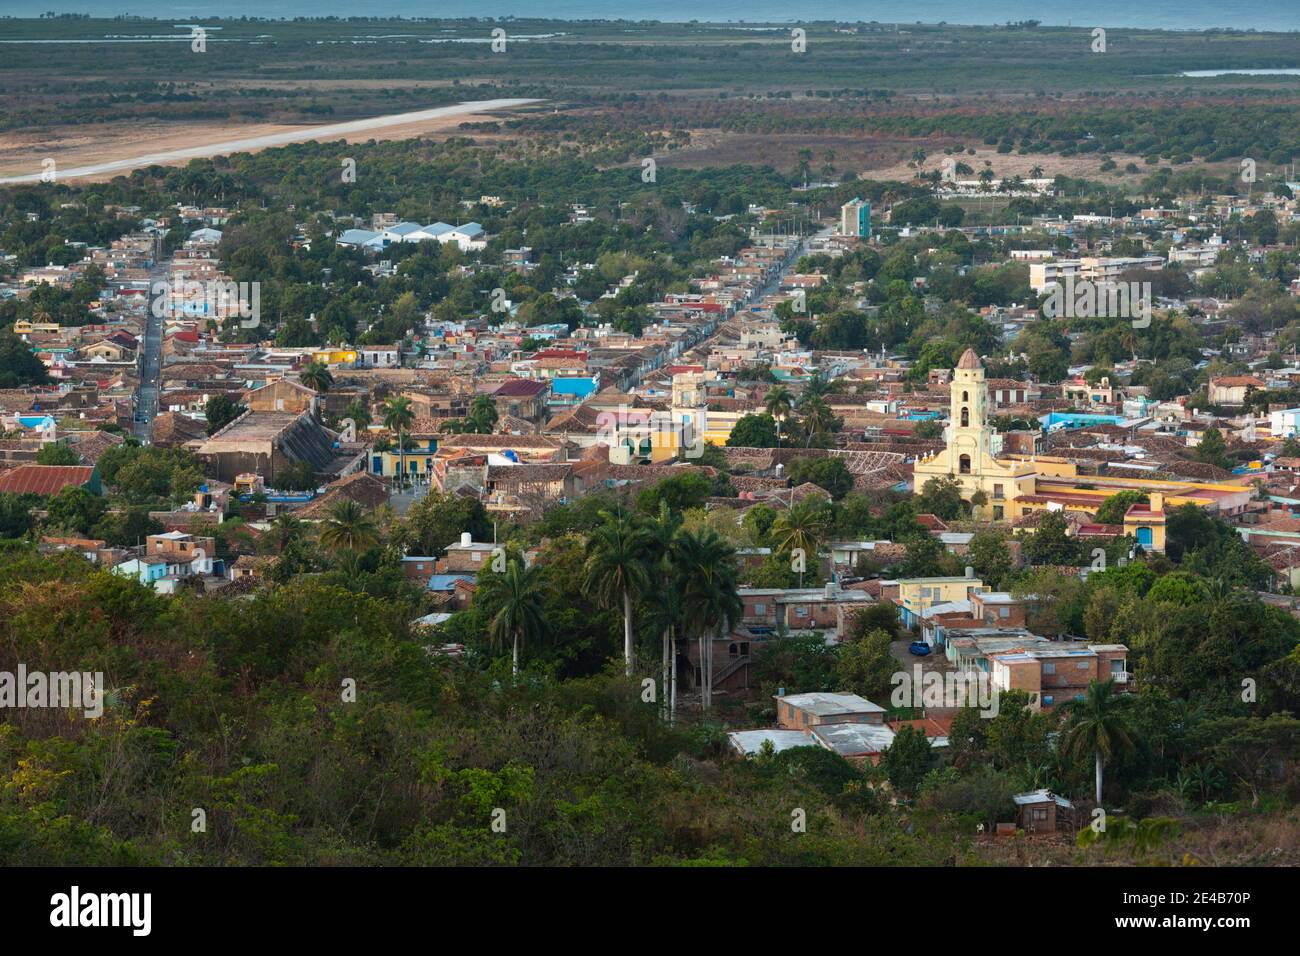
[[803, 711]]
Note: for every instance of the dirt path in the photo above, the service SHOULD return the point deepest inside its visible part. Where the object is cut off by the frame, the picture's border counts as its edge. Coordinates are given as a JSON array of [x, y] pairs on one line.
[[98, 154]]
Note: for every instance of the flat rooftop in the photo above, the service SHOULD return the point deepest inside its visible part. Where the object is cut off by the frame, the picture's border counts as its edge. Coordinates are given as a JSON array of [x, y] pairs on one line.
[[751, 741], [255, 426], [829, 705], [850, 740]]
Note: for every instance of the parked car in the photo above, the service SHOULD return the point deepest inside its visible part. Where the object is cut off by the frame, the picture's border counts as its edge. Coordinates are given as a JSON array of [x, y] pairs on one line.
[[919, 648]]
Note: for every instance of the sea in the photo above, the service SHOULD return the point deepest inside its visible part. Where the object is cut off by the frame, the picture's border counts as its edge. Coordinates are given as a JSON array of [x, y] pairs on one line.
[[1154, 14]]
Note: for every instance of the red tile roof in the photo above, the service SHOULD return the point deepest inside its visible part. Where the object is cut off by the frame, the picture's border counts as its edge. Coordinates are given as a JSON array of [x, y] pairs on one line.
[[520, 388], [44, 479]]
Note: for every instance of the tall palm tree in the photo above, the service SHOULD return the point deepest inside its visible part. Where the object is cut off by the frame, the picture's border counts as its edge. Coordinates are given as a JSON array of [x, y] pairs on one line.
[[707, 587], [666, 611], [805, 165], [348, 528], [664, 618], [1098, 724], [513, 601], [398, 417], [616, 569], [818, 417], [801, 527], [778, 403], [815, 387], [316, 376]]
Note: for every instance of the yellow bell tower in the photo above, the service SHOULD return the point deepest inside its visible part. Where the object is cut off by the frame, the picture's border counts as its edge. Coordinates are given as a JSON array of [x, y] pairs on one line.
[[990, 484], [969, 438]]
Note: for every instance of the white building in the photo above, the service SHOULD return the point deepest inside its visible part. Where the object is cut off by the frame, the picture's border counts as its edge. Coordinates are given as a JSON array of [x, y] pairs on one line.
[[1284, 423]]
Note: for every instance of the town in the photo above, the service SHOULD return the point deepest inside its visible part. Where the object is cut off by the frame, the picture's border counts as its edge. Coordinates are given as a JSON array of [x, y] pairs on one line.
[[974, 502]]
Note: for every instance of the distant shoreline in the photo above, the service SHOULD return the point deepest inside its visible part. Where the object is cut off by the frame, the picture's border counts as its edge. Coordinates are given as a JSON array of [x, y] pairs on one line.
[[1169, 17]]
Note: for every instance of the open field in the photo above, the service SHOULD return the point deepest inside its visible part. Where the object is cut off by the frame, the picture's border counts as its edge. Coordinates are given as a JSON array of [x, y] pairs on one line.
[[877, 157], [107, 150], [109, 94]]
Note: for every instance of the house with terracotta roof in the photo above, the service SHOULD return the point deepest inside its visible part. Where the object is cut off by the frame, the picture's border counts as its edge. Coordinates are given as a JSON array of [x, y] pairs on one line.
[[173, 429], [49, 479], [250, 566], [364, 489], [1232, 389], [91, 445], [521, 398]]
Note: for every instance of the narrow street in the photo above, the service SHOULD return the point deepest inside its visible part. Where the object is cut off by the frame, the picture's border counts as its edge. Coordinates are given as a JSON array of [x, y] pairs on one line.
[[146, 396]]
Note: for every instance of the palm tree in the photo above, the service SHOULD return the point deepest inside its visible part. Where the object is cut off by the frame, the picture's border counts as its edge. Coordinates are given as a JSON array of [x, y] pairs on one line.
[[1218, 588], [1098, 725], [1036, 172], [398, 417], [514, 602], [664, 617], [285, 530], [359, 413], [666, 611], [616, 569], [815, 387], [349, 528], [483, 415], [818, 418], [801, 527], [316, 376], [778, 403], [1129, 340], [805, 165], [707, 585]]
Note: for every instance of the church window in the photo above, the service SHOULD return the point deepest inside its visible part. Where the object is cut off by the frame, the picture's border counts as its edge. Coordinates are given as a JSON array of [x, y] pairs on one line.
[[963, 464], [965, 417]]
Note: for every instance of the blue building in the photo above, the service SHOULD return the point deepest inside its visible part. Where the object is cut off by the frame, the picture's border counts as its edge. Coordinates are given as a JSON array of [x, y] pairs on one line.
[[855, 218]]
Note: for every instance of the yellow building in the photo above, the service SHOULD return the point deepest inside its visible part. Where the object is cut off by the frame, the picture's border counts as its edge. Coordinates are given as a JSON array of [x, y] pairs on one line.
[[658, 435], [918, 595], [24, 327], [418, 458], [1146, 523], [336, 358], [1008, 487], [971, 455]]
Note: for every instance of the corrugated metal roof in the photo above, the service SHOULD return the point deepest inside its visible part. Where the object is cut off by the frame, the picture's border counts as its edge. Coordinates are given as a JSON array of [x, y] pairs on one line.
[[44, 479]]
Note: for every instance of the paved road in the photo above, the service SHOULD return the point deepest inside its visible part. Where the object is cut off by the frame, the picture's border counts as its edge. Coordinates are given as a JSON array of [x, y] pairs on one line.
[[401, 501], [146, 404], [332, 131]]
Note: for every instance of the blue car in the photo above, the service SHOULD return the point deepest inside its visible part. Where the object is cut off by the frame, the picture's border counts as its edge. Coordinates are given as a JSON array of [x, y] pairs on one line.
[[919, 648]]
